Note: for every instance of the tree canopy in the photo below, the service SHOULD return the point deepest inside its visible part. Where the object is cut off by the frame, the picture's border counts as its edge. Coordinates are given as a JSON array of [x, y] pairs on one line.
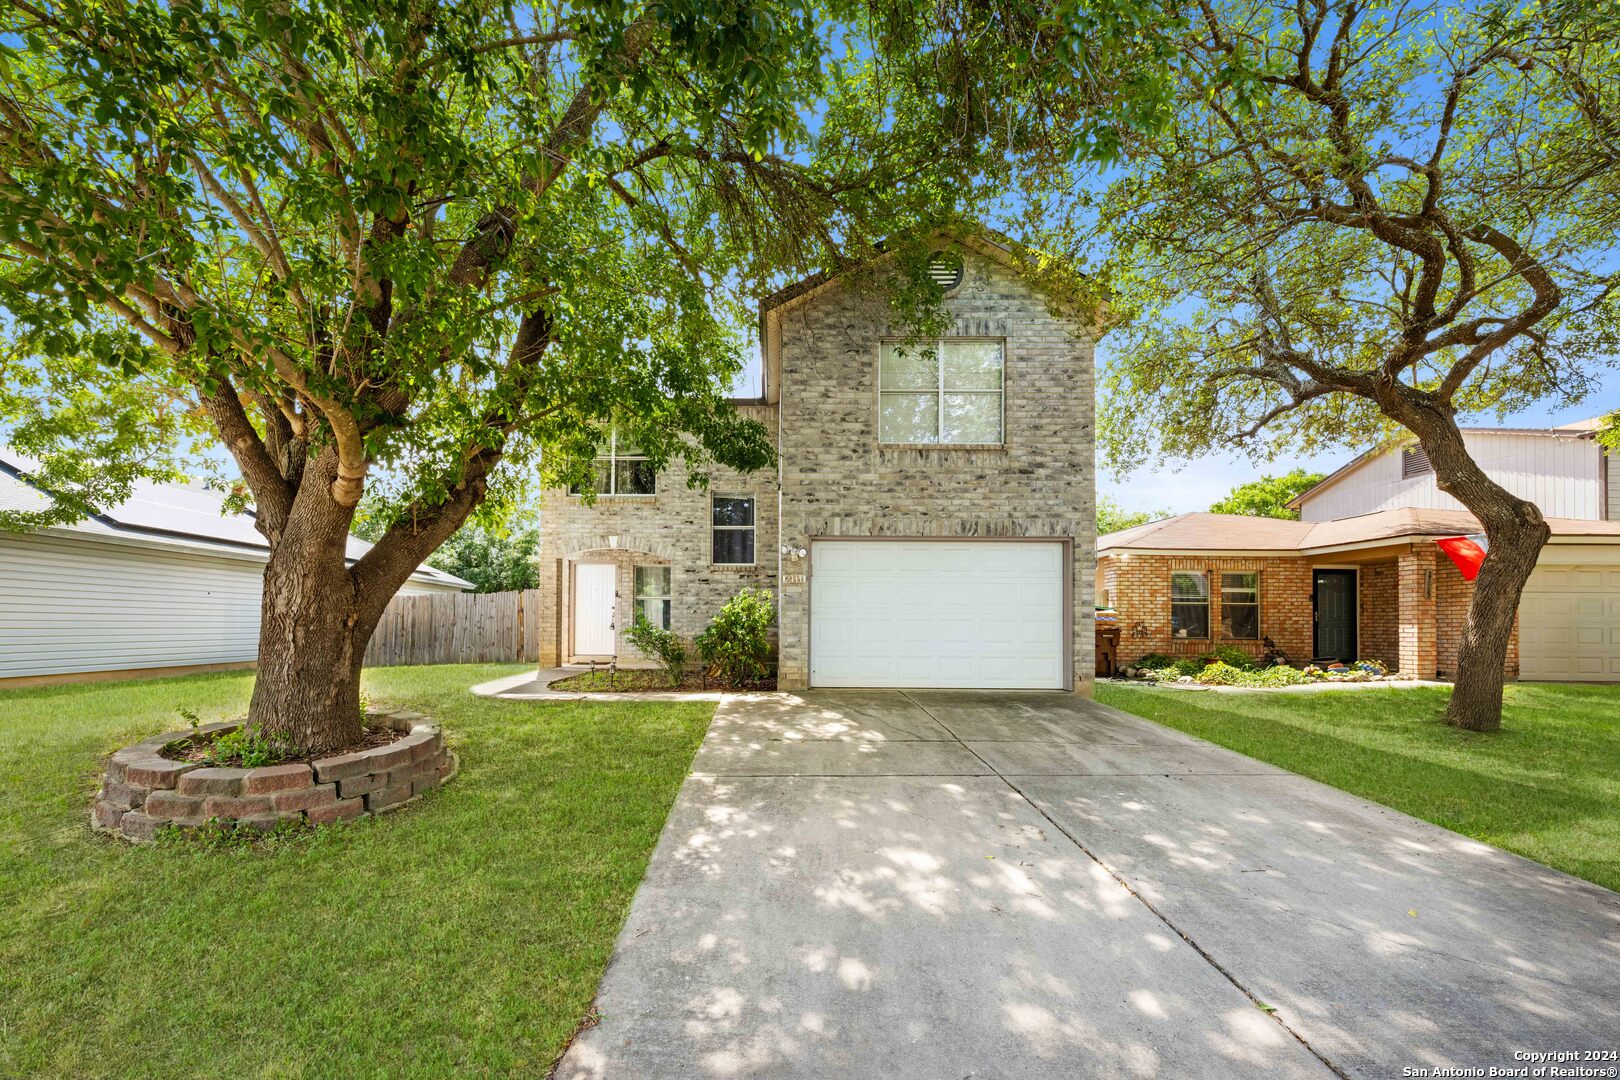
[[1111, 517], [1268, 496]]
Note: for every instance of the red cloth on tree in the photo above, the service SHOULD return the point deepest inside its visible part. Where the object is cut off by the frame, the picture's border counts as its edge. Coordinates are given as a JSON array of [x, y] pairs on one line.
[[1468, 552]]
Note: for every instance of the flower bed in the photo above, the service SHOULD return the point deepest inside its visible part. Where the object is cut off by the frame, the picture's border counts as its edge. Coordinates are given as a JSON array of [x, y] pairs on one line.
[[149, 786], [1229, 668]]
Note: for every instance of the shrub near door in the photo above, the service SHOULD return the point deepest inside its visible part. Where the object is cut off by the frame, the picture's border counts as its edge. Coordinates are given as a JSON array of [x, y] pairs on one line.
[[736, 644]]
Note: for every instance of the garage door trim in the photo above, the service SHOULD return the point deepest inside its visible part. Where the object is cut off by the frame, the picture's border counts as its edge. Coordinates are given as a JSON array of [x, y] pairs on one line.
[[1067, 543]]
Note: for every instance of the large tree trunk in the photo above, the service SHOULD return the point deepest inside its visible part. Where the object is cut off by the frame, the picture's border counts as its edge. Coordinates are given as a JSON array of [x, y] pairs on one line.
[[1516, 532], [312, 637]]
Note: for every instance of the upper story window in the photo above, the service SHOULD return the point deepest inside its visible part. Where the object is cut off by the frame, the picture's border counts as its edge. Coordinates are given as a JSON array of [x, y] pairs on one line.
[[622, 469], [733, 521], [947, 391], [1415, 462]]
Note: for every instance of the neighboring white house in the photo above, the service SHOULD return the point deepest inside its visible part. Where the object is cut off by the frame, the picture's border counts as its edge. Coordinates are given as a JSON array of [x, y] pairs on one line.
[[163, 582], [1569, 618], [1563, 470]]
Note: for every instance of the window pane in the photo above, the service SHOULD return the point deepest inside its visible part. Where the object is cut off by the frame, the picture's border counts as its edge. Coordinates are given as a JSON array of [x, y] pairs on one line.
[[635, 477], [910, 367], [1189, 585], [652, 581], [972, 418], [908, 418], [972, 365], [1189, 620], [1240, 622], [603, 482], [656, 611], [729, 510], [1240, 588], [734, 546]]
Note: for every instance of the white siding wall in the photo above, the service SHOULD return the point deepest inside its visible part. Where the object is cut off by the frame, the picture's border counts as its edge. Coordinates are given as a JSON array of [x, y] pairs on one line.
[[1560, 475], [70, 605]]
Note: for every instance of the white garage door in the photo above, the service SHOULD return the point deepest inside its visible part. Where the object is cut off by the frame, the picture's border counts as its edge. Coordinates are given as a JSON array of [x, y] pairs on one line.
[[925, 613], [1569, 624]]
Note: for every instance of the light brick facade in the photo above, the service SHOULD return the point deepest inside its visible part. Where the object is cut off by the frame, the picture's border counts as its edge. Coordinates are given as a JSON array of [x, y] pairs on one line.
[[837, 481]]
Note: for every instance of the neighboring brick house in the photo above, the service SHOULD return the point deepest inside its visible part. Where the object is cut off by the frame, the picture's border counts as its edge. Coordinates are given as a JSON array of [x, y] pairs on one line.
[[930, 521], [1372, 587]]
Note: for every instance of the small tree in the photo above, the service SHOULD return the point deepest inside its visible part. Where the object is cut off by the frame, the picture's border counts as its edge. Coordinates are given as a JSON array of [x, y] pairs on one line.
[[1392, 215], [736, 644], [1268, 496], [492, 561], [664, 645]]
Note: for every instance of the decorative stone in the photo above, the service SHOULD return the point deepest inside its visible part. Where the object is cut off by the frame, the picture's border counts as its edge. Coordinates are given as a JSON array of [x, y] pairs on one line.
[[139, 826], [388, 797], [226, 806], [142, 791], [271, 778], [343, 766], [345, 810], [173, 806], [305, 799], [157, 773], [212, 781]]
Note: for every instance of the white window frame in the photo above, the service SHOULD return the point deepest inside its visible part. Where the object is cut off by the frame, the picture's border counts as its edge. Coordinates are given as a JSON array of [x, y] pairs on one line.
[[940, 391], [753, 528], [612, 459], [1205, 603], [1259, 630], [668, 596]]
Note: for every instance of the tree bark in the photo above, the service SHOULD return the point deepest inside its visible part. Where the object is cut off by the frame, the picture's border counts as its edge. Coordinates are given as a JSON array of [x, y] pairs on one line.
[[315, 622], [1516, 531]]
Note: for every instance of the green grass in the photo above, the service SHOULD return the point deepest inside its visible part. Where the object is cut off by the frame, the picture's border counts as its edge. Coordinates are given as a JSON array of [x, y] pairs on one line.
[[1546, 786], [463, 935]]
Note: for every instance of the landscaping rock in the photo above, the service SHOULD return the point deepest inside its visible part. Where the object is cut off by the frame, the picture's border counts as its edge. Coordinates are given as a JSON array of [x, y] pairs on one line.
[[173, 806], [139, 826], [104, 815], [157, 773], [343, 766], [305, 799], [345, 810], [356, 786], [272, 778], [212, 781], [226, 806], [388, 797]]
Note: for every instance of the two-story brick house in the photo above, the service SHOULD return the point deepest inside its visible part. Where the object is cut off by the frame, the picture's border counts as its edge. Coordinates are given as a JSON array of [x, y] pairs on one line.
[[1359, 575], [930, 521]]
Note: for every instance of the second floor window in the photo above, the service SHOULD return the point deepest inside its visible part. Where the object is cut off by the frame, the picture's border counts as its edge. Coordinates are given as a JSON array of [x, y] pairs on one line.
[[622, 469], [947, 391]]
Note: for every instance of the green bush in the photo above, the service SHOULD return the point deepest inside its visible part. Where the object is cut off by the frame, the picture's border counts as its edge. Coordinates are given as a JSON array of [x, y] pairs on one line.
[[1278, 675], [245, 748], [1155, 661], [1232, 656], [1221, 674], [734, 645], [669, 650]]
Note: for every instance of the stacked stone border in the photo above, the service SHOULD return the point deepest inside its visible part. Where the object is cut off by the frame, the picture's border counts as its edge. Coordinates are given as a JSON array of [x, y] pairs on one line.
[[142, 791]]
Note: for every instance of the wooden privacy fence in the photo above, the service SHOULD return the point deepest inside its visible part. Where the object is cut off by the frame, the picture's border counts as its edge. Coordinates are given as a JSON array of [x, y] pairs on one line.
[[457, 628]]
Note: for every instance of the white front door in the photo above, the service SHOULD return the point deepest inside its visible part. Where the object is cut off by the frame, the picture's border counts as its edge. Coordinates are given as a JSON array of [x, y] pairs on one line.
[[593, 609], [923, 613], [1569, 624]]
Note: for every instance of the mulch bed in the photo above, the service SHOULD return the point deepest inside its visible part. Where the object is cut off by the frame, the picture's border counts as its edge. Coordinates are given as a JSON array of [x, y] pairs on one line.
[[641, 680], [198, 751]]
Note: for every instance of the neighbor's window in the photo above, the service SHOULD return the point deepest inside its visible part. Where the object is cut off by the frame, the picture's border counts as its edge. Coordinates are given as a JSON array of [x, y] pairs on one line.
[[622, 469], [652, 594], [1189, 604], [1240, 607], [733, 517], [947, 391]]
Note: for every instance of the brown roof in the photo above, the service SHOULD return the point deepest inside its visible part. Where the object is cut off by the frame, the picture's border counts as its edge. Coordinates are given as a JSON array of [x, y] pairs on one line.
[[1235, 532]]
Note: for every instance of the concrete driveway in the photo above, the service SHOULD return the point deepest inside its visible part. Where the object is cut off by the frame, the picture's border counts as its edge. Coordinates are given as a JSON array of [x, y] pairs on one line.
[[952, 885]]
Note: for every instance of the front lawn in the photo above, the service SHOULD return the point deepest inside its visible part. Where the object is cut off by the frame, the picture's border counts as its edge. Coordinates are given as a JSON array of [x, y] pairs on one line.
[[1546, 786], [461, 936]]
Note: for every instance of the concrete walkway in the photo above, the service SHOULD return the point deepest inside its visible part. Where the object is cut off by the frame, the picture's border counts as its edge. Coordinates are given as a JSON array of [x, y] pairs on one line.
[[1024, 886]]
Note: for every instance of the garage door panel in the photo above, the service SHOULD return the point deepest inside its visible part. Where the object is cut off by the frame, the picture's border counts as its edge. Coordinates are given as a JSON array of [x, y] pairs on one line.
[[1569, 624], [937, 613]]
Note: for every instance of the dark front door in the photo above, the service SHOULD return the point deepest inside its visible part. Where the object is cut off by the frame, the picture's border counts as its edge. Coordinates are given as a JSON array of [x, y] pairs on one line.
[[1334, 598]]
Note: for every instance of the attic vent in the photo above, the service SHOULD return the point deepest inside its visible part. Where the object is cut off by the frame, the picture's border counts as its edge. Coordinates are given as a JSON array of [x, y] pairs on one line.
[[945, 269], [1414, 462]]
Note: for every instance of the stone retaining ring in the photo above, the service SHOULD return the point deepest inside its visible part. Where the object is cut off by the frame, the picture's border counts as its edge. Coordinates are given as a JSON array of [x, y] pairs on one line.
[[143, 791]]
